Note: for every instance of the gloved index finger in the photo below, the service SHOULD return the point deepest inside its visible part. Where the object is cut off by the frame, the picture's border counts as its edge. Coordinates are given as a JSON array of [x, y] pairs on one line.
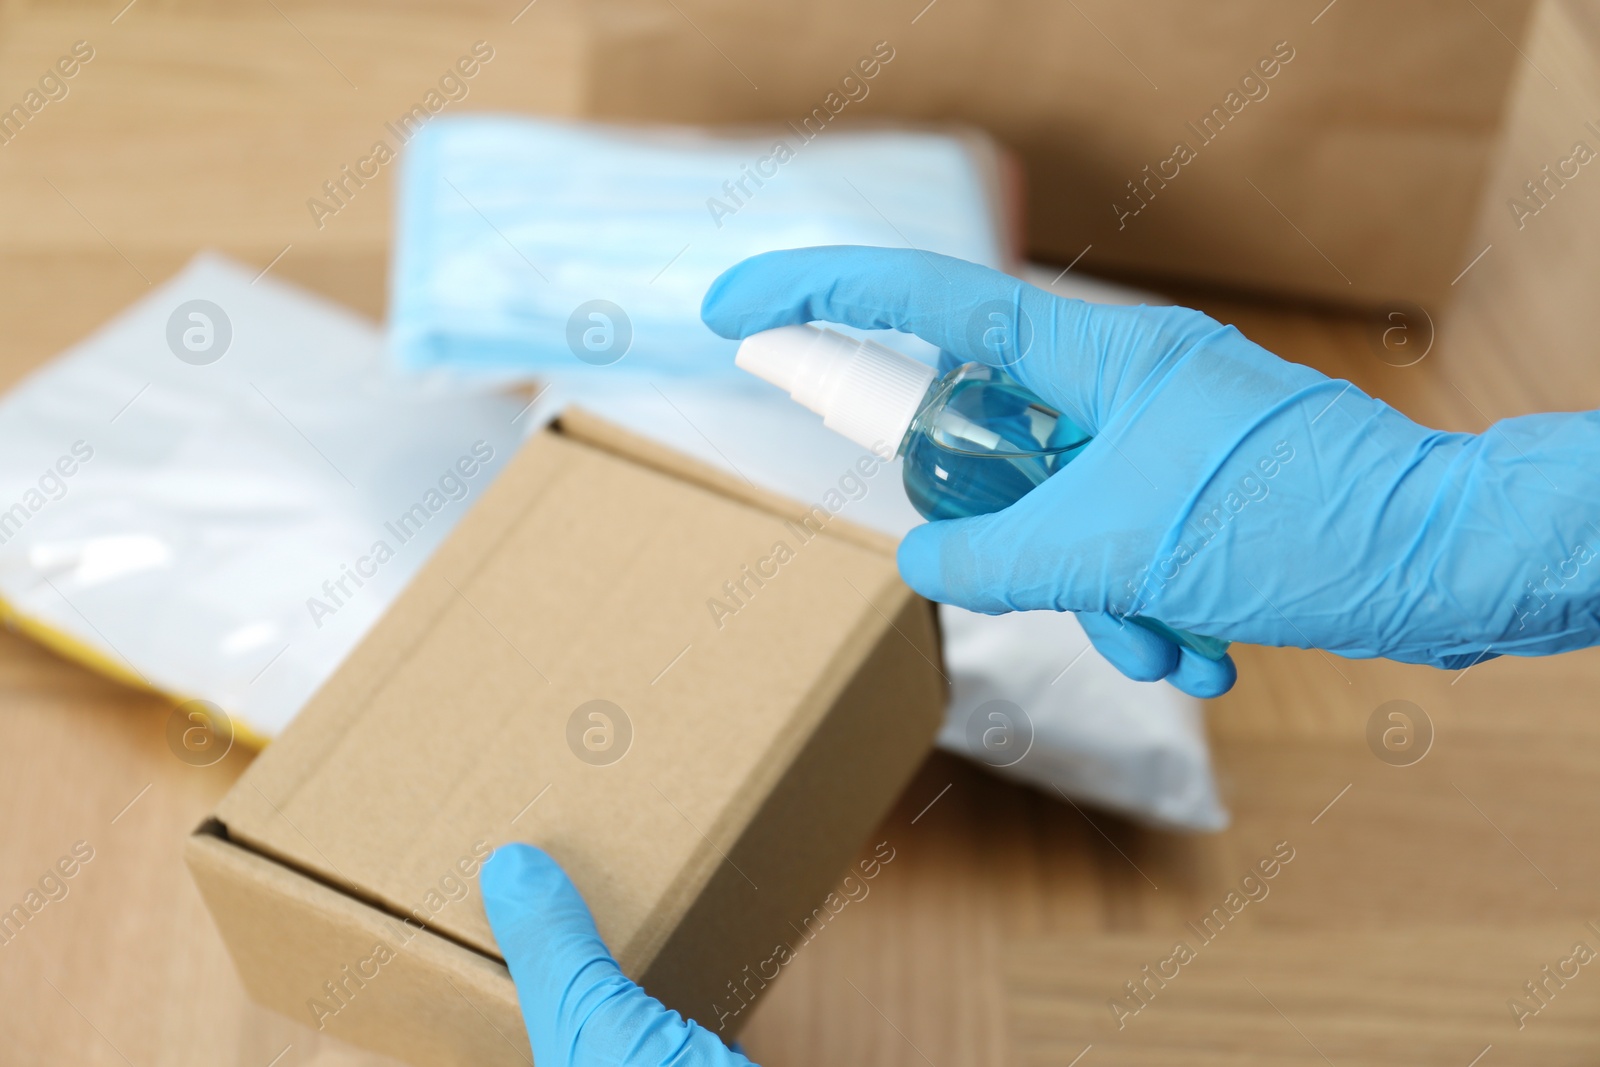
[[973, 312]]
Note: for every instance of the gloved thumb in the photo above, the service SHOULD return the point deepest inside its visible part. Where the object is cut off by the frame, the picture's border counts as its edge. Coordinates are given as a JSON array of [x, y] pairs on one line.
[[561, 967], [1023, 559], [580, 1009]]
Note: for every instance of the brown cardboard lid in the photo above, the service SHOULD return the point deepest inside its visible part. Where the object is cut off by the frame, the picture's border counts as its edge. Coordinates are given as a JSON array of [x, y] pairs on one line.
[[587, 572]]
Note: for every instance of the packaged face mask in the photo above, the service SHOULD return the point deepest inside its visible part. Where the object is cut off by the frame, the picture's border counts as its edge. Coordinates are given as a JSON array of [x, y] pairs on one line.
[[541, 248], [217, 494]]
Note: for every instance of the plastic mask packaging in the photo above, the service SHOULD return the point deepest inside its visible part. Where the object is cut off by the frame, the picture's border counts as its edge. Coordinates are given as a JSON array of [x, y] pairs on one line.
[[194, 497], [538, 248]]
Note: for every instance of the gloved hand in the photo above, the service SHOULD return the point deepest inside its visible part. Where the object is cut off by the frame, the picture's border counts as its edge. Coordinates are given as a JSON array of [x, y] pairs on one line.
[[1226, 492], [580, 1010]]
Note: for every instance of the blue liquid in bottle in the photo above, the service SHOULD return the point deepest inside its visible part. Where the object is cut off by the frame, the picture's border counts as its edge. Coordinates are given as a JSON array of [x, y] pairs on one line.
[[980, 442]]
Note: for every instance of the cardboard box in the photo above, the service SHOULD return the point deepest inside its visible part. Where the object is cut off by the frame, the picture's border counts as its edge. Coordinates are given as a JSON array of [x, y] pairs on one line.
[[1519, 335], [559, 673], [1351, 174]]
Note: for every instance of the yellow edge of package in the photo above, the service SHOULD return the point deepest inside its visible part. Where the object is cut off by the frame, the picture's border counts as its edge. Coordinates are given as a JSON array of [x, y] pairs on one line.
[[71, 648]]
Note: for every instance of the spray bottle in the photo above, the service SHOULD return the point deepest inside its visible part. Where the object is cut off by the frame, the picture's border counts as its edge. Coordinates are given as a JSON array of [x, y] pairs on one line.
[[973, 441]]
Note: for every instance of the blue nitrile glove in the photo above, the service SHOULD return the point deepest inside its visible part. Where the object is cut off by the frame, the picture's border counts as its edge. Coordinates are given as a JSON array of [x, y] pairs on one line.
[[580, 1010], [1226, 492]]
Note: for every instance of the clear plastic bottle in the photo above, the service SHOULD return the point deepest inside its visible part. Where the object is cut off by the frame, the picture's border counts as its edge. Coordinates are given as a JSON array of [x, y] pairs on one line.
[[973, 441]]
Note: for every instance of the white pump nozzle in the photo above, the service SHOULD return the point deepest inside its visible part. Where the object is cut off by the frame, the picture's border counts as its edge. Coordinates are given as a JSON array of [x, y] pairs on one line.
[[861, 389]]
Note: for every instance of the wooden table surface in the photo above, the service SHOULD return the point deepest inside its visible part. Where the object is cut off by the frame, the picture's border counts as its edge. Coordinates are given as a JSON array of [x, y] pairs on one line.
[[1419, 899]]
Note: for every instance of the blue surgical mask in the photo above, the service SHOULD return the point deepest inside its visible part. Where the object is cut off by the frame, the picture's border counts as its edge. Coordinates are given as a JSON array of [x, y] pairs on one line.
[[534, 248]]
